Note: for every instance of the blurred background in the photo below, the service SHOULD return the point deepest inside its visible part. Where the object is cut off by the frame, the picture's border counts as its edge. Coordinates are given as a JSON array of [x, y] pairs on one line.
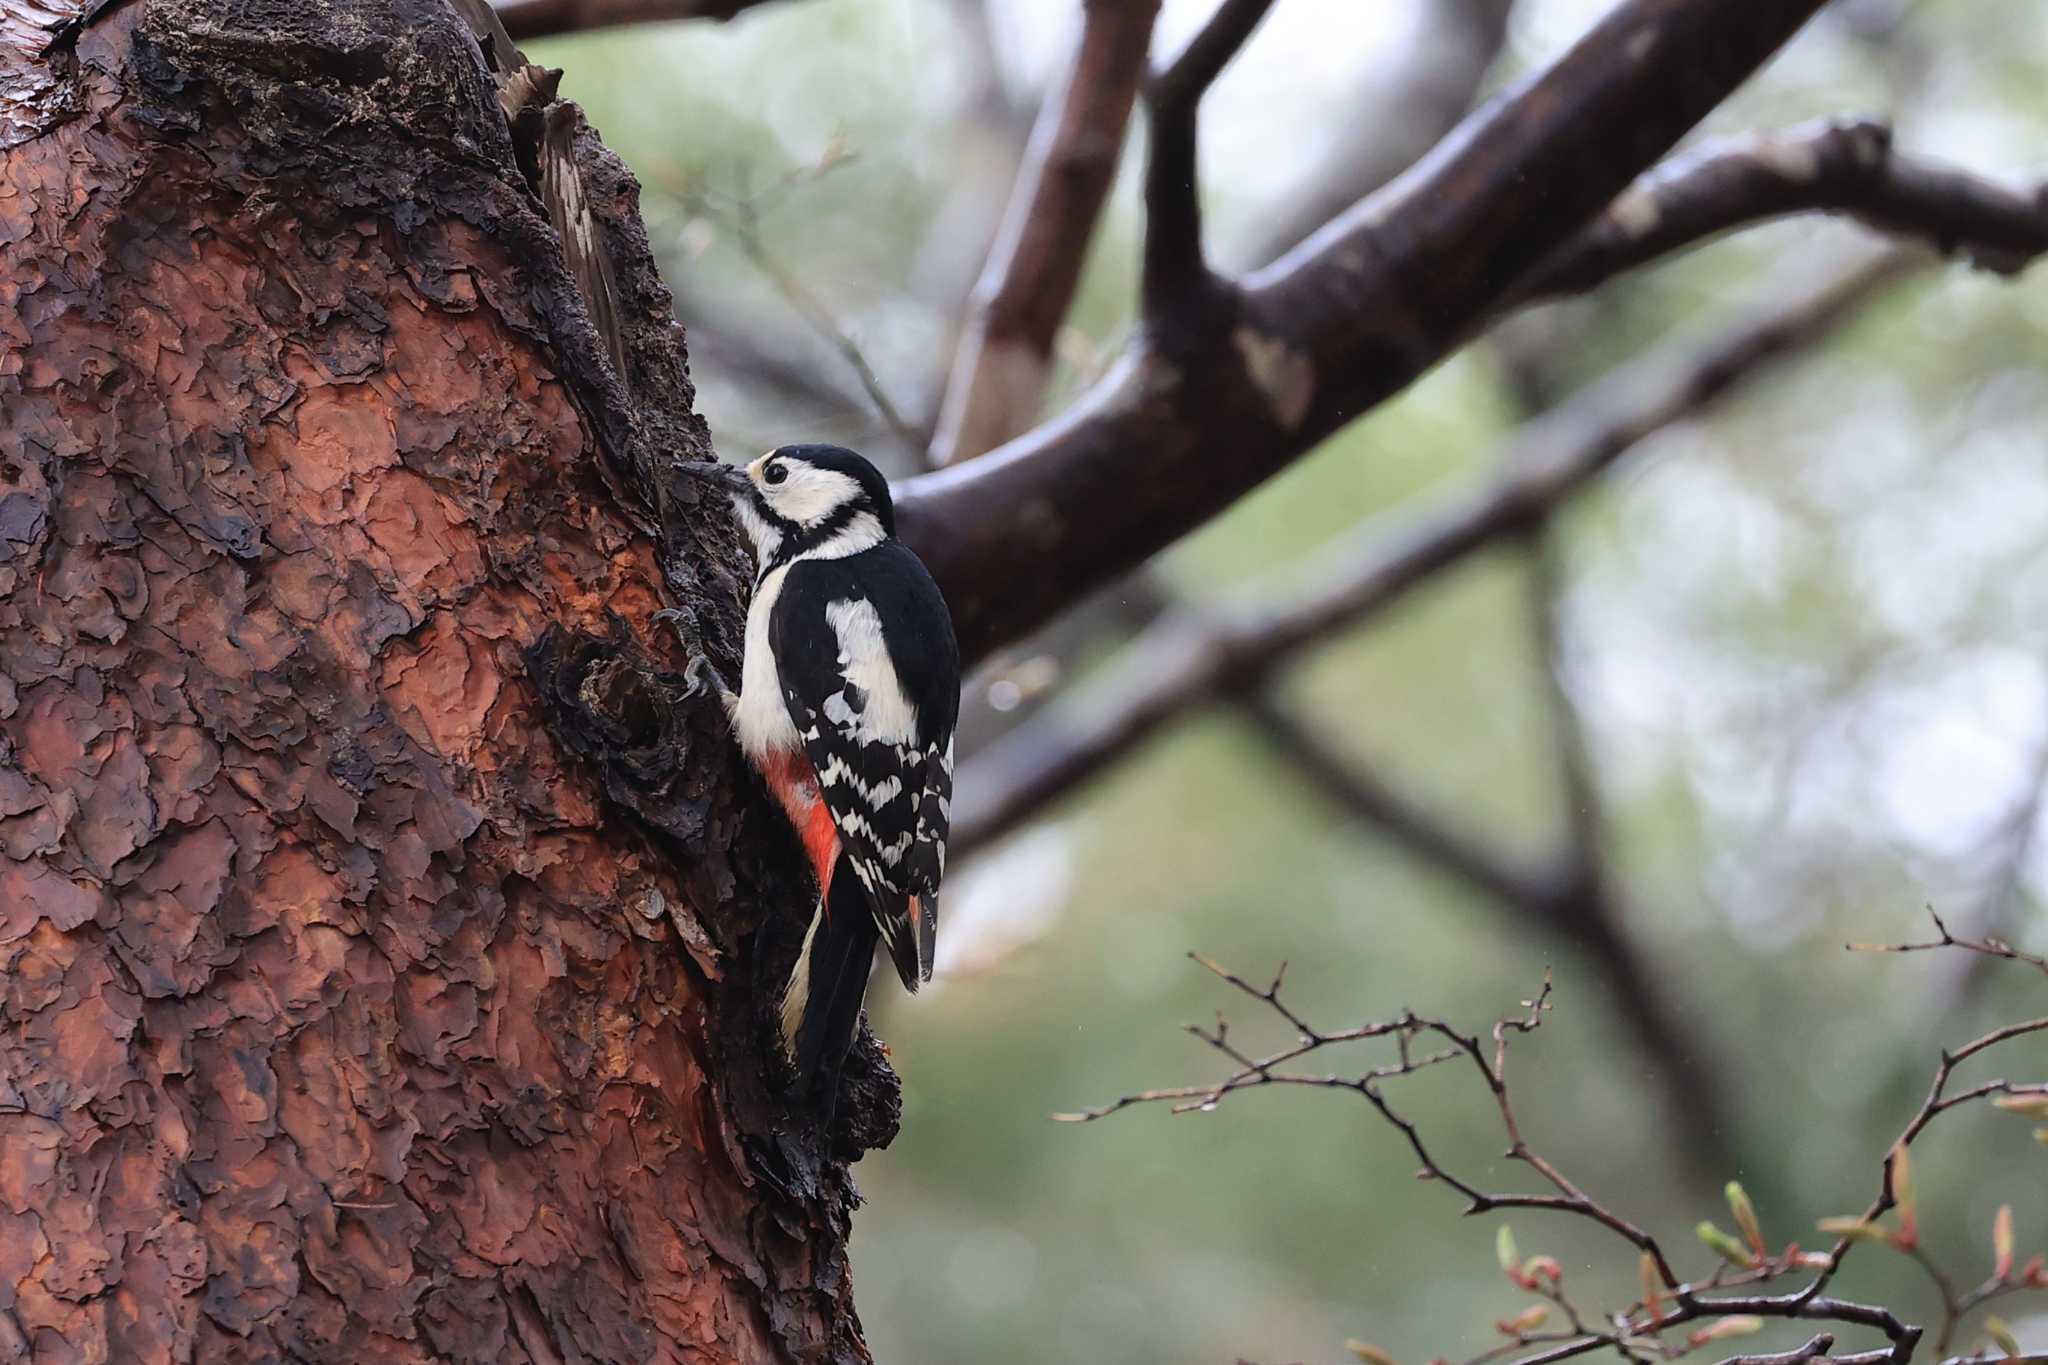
[[1782, 673]]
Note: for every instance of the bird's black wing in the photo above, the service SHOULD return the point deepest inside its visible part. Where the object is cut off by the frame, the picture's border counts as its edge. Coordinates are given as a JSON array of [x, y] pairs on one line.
[[870, 672]]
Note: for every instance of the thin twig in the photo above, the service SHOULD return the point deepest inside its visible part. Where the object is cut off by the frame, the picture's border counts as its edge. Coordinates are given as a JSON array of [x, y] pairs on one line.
[[1636, 1332], [1989, 947], [2003, 898]]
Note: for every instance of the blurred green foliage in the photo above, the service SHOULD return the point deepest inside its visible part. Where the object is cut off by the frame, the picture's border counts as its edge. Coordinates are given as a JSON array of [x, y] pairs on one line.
[[1806, 635]]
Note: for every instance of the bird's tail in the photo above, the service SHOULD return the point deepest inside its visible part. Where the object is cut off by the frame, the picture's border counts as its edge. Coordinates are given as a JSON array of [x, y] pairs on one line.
[[821, 1005]]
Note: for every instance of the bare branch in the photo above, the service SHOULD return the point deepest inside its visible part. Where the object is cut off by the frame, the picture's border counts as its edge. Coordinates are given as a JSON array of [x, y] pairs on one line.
[[1406, 1029], [1846, 167], [529, 19], [1034, 265], [1187, 659], [1386, 132], [1989, 947], [1815, 1349], [1176, 278], [1637, 1331], [1569, 901], [2005, 897], [1180, 87], [1938, 1101], [1330, 329]]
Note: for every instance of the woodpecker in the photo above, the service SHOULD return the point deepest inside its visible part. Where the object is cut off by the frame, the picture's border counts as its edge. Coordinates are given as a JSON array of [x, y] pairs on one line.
[[849, 690]]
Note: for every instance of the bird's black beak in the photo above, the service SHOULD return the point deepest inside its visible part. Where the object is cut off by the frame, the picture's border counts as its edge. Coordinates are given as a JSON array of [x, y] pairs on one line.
[[731, 478]]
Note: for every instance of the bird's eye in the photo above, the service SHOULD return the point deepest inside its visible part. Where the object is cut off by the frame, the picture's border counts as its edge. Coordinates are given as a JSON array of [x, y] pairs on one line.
[[775, 473]]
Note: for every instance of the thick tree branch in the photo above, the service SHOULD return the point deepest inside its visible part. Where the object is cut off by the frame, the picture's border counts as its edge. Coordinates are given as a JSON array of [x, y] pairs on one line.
[[1384, 137], [1846, 167], [1188, 658], [1331, 329], [1175, 278], [529, 19], [1000, 371]]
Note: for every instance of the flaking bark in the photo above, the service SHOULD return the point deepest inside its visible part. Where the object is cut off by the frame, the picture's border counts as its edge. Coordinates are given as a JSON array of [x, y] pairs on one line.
[[371, 920]]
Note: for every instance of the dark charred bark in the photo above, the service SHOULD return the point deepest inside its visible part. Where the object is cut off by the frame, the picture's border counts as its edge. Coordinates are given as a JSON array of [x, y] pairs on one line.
[[381, 945]]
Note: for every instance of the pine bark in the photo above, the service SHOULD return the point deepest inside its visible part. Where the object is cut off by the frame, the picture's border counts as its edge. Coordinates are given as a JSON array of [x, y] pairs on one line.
[[382, 942]]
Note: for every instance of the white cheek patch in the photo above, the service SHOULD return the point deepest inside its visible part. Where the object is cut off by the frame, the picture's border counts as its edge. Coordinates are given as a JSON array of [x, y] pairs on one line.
[[810, 495]]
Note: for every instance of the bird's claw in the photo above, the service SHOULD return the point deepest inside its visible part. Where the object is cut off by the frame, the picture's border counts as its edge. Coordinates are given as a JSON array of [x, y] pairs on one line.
[[699, 675]]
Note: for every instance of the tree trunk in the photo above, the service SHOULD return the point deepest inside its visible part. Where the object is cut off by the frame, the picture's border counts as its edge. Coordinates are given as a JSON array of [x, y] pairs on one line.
[[382, 945]]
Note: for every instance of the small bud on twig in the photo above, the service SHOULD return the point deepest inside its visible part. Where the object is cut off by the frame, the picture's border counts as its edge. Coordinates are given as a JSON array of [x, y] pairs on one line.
[[1741, 1325], [1902, 1178], [2001, 1244], [1745, 1218], [1996, 1329], [1653, 1289], [1523, 1273], [2031, 1105], [1730, 1250], [1908, 1235], [1854, 1229], [1369, 1353], [1524, 1322]]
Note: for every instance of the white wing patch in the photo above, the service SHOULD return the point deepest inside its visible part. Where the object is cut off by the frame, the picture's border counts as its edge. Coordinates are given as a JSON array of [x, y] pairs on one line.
[[882, 714]]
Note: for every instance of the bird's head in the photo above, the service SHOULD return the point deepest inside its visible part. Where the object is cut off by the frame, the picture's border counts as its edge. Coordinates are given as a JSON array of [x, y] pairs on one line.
[[805, 499]]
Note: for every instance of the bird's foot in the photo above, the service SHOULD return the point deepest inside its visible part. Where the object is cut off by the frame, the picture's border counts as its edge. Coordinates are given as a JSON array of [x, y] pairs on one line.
[[674, 616], [700, 676]]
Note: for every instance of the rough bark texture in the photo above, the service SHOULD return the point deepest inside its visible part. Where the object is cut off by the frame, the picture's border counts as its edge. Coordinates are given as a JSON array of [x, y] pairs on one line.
[[344, 1014]]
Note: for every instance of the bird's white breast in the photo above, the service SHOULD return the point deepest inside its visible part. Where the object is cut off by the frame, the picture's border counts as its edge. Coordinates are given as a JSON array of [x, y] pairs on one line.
[[762, 719]]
